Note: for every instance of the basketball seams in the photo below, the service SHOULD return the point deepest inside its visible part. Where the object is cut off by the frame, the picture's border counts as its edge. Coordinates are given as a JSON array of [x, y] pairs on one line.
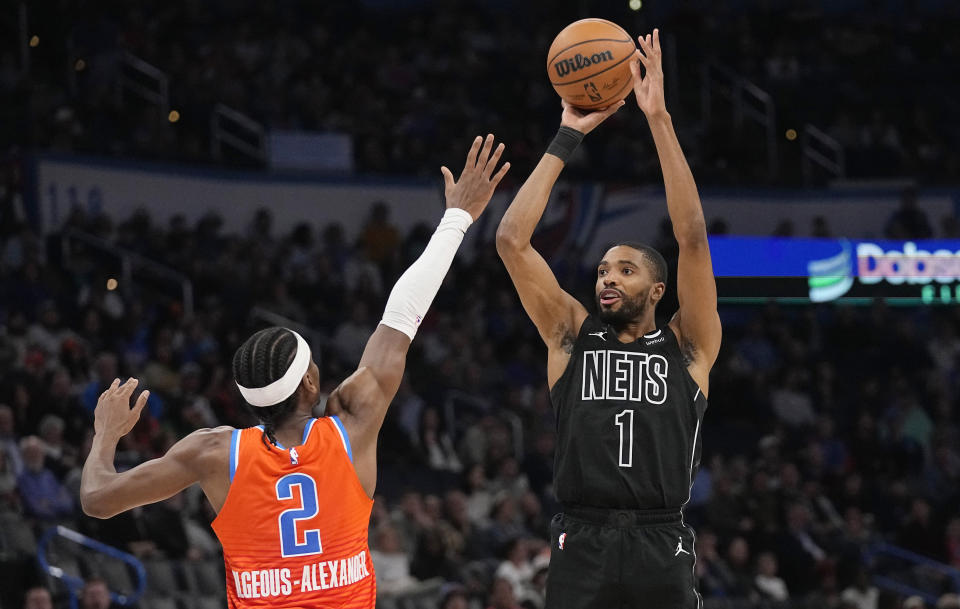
[[594, 75], [564, 50]]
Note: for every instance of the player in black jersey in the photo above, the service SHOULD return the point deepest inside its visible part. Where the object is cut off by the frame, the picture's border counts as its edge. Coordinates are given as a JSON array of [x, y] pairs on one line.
[[629, 397]]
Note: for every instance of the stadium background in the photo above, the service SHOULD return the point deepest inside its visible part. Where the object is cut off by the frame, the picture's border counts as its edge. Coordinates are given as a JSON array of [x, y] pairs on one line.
[[178, 174]]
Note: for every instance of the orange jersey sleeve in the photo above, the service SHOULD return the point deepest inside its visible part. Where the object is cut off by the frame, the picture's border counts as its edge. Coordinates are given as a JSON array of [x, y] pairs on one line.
[[294, 524]]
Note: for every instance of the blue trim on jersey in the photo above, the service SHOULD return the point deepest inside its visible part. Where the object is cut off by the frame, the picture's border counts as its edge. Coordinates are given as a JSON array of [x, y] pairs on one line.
[[343, 434], [234, 452], [306, 431]]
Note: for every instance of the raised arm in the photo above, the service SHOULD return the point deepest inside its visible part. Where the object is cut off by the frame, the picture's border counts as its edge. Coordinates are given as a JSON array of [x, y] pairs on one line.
[[200, 457], [363, 398], [556, 314], [697, 323]]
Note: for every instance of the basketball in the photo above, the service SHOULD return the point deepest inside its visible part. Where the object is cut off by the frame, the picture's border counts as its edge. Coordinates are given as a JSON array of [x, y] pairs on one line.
[[589, 63]]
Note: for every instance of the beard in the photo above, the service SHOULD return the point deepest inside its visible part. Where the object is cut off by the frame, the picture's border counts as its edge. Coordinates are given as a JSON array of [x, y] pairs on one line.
[[630, 309]]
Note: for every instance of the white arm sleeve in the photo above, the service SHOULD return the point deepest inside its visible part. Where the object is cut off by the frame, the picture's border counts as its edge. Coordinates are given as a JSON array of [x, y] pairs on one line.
[[415, 289]]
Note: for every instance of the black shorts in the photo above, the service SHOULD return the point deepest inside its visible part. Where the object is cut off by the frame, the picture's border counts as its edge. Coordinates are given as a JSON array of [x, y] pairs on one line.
[[621, 559]]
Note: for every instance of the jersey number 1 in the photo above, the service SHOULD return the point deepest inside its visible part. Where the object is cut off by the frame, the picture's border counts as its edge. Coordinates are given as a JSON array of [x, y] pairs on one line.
[[290, 544], [624, 421]]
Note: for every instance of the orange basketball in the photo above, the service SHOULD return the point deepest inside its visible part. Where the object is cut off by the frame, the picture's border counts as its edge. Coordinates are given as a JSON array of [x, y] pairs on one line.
[[589, 63]]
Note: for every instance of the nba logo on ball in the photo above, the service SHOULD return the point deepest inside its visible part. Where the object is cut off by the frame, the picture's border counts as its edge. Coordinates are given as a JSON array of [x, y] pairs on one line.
[[563, 537]]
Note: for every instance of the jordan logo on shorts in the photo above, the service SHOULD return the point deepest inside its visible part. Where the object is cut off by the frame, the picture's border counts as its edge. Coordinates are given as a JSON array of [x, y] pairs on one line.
[[563, 537], [680, 547]]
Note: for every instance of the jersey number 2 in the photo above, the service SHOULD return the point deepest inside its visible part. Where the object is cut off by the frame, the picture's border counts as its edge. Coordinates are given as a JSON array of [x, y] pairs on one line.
[[290, 544], [624, 421]]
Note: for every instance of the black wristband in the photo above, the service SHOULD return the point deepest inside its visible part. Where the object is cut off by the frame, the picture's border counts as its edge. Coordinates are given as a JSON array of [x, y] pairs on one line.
[[564, 143]]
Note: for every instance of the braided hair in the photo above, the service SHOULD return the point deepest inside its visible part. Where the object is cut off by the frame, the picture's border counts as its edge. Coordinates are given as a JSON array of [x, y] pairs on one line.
[[262, 359]]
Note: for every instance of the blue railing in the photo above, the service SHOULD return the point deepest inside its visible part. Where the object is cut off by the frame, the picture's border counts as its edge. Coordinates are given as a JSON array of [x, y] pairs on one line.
[[879, 550], [73, 583]]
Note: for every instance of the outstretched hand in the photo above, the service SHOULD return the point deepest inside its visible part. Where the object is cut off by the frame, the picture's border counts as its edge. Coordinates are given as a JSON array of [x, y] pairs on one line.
[[586, 121], [472, 191], [113, 417], [649, 87]]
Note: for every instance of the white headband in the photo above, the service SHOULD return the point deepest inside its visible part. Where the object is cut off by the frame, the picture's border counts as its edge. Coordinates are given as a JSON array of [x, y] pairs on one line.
[[282, 388]]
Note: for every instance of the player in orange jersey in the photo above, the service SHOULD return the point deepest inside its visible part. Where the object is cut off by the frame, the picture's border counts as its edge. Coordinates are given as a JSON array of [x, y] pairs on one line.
[[293, 495]]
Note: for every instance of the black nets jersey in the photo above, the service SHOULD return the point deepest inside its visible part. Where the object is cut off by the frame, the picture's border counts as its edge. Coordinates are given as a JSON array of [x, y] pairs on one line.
[[628, 422]]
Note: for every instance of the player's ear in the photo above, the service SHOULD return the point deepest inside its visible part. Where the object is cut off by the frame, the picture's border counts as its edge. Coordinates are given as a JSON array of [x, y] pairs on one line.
[[311, 384], [656, 292]]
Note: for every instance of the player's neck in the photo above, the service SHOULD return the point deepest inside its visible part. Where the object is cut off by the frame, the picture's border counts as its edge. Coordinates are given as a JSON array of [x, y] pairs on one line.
[[290, 432], [632, 330]]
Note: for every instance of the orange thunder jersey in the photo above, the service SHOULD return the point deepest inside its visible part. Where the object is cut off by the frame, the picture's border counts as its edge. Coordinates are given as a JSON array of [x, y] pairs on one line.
[[294, 524]]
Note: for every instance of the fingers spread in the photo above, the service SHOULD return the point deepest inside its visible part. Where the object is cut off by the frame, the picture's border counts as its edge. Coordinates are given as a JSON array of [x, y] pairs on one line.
[[493, 160], [499, 175], [656, 39], [643, 45], [129, 386], [485, 151], [472, 153]]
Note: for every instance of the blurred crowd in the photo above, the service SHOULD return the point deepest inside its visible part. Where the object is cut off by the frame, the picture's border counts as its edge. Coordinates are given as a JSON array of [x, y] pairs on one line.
[[408, 81], [831, 429]]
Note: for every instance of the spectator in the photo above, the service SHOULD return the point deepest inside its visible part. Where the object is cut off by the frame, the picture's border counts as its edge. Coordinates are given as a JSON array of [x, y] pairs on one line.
[[501, 595], [862, 594], [948, 601], [791, 402], [920, 533], [820, 228], [909, 221], [453, 596], [479, 498], [797, 550], [914, 602], [435, 443], [738, 560], [42, 494], [517, 568], [767, 583], [391, 563], [60, 456], [38, 597], [538, 593], [505, 522], [95, 594], [105, 370], [352, 335], [49, 333], [380, 239], [465, 535], [715, 576], [8, 440]]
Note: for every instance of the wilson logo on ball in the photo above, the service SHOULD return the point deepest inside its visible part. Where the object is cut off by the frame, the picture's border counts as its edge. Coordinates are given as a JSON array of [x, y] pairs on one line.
[[578, 62]]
